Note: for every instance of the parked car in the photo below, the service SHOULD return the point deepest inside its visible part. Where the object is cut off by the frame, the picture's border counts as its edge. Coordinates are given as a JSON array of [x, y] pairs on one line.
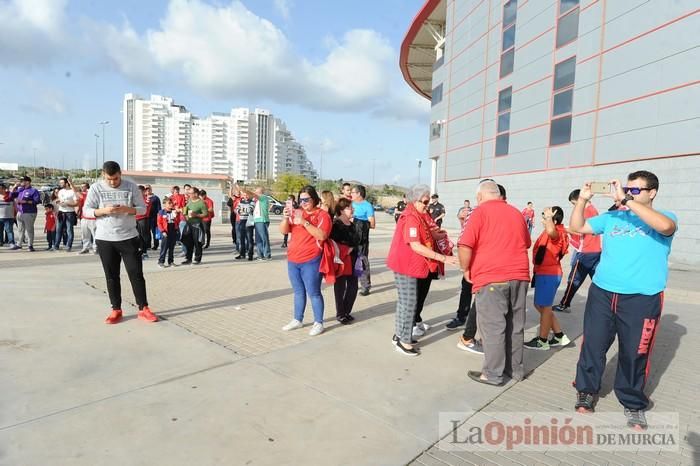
[[276, 207], [391, 210], [378, 208]]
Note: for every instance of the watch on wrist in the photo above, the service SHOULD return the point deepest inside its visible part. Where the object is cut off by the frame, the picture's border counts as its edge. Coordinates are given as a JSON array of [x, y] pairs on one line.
[[307, 223], [628, 197]]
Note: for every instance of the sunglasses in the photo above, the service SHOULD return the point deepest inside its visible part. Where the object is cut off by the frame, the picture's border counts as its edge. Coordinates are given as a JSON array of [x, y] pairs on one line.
[[634, 191], [426, 202], [304, 200]]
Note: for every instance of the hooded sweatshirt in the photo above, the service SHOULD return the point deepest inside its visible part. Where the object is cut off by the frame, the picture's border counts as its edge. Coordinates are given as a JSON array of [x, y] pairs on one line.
[[114, 227]]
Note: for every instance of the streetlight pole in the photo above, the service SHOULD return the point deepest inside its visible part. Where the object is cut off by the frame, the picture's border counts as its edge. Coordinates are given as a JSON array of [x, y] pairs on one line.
[[97, 167], [420, 162], [34, 148], [103, 123]]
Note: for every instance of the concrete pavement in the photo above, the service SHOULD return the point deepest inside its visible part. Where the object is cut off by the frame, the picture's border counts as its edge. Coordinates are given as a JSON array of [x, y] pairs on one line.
[[218, 382]]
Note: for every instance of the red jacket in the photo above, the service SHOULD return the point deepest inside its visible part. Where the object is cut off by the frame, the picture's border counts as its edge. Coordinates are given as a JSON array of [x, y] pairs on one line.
[[162, 220], [329, 267]]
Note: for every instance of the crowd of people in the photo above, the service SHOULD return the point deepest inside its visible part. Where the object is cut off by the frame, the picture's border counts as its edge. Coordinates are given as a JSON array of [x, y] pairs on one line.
[[326, 237]]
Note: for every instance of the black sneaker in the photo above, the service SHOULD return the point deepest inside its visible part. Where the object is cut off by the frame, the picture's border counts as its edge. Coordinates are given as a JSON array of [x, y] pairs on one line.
[[407, 351], [636, 419], [455, 324], [395, 340], [344, 320], [350, 318], [364, 293], [584, 402], [239, 257], [185, 262], [30, 249], [561, 308]]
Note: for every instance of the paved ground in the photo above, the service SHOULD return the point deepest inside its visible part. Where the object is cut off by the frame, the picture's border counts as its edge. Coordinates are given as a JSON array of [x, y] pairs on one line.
[[217, 382]]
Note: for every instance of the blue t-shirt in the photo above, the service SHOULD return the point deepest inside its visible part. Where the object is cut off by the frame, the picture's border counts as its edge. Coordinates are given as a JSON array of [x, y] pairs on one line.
[[635, 256], [362, 210]]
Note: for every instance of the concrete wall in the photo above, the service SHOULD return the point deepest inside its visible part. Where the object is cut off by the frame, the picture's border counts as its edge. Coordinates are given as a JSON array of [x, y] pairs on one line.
[[635, 104]]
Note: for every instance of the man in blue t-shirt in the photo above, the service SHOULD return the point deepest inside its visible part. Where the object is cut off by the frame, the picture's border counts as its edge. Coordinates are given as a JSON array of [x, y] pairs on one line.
[[626, 296], [363, 218]]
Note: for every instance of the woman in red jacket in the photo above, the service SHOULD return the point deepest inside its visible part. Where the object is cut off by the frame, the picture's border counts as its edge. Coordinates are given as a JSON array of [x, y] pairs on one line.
[[413, 259], [551, 246]]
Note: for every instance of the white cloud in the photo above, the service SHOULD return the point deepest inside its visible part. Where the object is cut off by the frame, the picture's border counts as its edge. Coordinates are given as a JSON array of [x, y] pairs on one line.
[[283, 8], [31, 31], [44, 100]]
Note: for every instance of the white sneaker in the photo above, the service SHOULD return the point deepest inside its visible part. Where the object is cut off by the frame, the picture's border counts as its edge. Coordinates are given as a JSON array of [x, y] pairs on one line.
[[419, 329], [293, 325], [316, 329]]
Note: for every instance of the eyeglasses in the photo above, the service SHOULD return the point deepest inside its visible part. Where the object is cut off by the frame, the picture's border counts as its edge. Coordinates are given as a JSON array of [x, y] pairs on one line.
[[304, 200], [485, 180], [634, 191], [426, 202]]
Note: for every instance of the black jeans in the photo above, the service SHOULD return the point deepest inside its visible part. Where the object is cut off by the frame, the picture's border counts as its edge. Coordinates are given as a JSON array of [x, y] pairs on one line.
[[190, 238], [465, 300], [345, 290], [144, 229], [111, 255], [207, 232], [167, 245], [234, 227], [470, 327], [423, 285]]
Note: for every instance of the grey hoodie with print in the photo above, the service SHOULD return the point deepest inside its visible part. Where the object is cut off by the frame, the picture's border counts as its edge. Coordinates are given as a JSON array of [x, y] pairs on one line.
[[114, 227]]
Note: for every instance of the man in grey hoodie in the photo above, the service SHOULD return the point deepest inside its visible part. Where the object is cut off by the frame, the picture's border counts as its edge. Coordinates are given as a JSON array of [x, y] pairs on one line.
[[115, 202]]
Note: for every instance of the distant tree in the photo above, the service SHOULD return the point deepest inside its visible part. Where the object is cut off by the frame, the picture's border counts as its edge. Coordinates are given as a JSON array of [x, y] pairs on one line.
[[328, 185], [288, 183]]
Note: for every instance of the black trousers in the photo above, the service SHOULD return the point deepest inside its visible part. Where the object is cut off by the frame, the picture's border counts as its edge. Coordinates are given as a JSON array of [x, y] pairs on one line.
[[111, 255], [422, 289], [634, 319], [470, 326], [465, 300], [345, 290], [234, 227], [584, 265], [153, 227], [190, 238], [144, 228], [207, 232]]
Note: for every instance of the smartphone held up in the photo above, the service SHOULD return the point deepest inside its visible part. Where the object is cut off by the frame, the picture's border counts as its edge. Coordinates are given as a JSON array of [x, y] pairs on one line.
[[600, 187]]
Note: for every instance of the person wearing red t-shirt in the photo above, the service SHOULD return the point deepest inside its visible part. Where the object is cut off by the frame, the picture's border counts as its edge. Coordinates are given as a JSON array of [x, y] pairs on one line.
[[142, 224], [346, 191], [310, 226], [529, 216], [50, 226], [585, 258], [87, 224], [493, 253], [413, 259], [206, 222], [179, 202], [549, 249]]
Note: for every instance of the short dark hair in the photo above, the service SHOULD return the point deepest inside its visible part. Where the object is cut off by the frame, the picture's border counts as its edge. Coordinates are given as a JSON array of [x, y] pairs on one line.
[[557, 215], [502, 191], [529, 202], [361, 189], [573, 195], [111, 168], [26, 178], [186, 185], [342, 204], [434, 196], [176, 188], [467, 200], [3, 185], [202, 192], [64, 179], [346, 184], [48, 206], [649, 178], [311, 191], [196, 191], [142, 188]]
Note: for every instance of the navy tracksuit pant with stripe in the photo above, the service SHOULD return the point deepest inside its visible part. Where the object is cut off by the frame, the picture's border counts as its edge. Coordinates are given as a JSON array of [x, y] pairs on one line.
[[634, 319], [583, 265]]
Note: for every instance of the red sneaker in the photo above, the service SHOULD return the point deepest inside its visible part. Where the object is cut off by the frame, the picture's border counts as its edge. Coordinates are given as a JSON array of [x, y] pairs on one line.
[[114, 317], [147, 315]]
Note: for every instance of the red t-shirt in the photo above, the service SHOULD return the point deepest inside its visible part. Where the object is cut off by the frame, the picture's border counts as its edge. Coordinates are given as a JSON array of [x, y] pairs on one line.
[[179, 200], [529, 214], [499, 239], [50, 222], [303, 246], [555, 249], [401, 258], [210, 206]]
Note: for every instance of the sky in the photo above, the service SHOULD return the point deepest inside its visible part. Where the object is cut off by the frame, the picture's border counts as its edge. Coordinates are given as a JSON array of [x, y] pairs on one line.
[[329, 69]]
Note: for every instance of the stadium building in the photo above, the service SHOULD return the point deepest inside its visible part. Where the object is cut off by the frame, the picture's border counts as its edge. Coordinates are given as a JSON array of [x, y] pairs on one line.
[[543, 95]]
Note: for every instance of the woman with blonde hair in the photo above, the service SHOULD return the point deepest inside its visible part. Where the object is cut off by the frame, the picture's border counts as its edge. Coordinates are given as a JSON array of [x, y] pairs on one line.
[[328, 202]]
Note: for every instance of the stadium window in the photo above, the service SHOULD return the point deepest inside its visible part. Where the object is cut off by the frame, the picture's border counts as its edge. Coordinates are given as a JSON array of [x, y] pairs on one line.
[[505, 98], [566, 5], [436, 96], [436, 129], [562, 102], [510, 13], [567, 27]]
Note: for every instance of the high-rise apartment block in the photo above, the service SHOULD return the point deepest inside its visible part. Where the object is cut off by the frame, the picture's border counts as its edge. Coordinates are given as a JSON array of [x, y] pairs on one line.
[[160, 135]]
